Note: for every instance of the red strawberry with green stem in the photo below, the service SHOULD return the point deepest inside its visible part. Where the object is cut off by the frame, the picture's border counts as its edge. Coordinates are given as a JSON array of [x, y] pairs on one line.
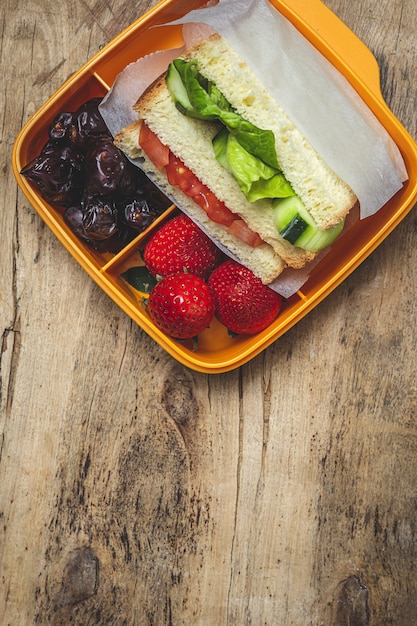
[[243, 303], [180, 244], [181, 305]]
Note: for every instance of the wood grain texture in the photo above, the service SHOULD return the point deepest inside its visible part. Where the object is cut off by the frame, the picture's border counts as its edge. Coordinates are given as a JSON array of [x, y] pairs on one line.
[[136, 492]]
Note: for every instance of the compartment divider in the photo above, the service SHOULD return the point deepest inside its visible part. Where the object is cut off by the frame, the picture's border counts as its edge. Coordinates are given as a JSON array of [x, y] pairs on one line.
[[101, 81]]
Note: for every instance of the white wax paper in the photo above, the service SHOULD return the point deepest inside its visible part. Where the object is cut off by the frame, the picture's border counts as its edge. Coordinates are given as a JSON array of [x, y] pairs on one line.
[[318, 99], [314, 95]]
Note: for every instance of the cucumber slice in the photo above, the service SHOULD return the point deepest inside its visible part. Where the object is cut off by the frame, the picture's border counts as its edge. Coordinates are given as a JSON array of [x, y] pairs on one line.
[[293, 231], [295, 224], [286, 209], [314, 239], [177, 88]]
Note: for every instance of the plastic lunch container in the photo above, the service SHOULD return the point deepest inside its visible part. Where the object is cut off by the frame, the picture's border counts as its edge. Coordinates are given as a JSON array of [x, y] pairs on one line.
[[218, 351]]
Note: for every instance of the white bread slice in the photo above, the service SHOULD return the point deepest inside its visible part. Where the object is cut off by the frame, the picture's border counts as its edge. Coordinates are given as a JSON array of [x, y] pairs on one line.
[[191, 140], [262, 260], [327, 198]]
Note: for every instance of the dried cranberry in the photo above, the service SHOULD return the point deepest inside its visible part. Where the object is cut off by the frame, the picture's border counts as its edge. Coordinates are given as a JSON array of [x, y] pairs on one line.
[[104, 166], [61, 126], [57, 173], [99, 218], [87, 121], [73, 217], [138, 215]]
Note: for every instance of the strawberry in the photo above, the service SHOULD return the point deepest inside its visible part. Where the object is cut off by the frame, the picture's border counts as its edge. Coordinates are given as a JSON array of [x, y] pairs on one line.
[[180, 244], [243, 303], [181, 305]]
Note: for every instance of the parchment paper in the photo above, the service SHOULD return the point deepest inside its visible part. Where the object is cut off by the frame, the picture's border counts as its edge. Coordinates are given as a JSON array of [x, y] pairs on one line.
[[313, 93]]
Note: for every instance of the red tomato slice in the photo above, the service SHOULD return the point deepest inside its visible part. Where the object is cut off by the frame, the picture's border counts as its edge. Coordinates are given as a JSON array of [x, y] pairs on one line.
[[216, 210], [182, 177], [241, 230], [153, 147]]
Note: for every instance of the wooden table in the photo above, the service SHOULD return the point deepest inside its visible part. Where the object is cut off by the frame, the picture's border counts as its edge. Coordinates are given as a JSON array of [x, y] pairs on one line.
[[137, 492]]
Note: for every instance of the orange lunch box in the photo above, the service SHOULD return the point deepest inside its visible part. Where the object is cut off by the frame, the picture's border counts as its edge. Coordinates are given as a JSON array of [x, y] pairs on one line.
[[218, 351]]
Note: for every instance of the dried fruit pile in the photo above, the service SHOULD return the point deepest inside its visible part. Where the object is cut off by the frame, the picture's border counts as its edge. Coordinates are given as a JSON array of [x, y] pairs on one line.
[[106, 200]]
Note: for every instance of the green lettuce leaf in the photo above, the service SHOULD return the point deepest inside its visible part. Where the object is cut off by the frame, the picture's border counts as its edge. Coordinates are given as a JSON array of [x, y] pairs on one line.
[[275, 187], [246, 151], [220, 148], [209, 103], [246, 167], [257, 142], [197, 90], [218, 98], [256, 179]]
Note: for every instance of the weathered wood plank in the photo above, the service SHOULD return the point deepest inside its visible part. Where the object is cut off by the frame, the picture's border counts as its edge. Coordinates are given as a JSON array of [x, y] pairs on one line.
[[134, 491]]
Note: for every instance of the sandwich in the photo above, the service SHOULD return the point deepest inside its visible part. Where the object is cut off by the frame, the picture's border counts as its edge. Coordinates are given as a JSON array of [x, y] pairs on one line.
[[209, 134]]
